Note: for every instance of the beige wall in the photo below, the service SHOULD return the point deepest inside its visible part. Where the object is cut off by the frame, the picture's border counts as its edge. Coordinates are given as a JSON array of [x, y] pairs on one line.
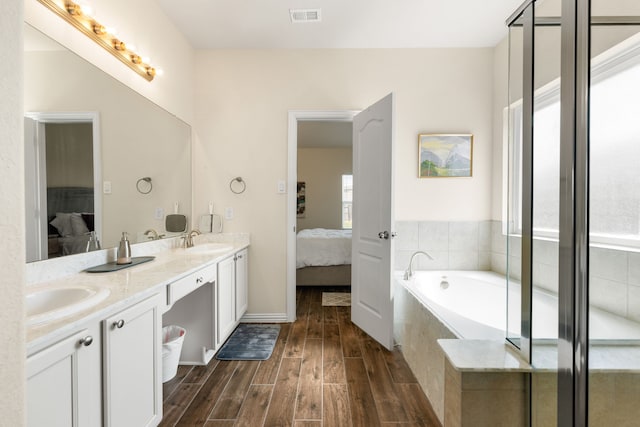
[[322, 169], [12, 248], [143, 24], [241, 129]]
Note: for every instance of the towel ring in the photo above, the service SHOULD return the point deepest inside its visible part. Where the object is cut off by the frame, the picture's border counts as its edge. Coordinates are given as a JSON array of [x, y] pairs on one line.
[[237, 185], [144, 185]]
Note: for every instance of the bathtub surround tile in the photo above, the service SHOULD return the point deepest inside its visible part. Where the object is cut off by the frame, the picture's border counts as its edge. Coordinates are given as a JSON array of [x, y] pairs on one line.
[[498, 239], [545, 277], [514, 268], [545, 251], [544, 399], [478, 399], [608, 264], [463, 260], [420, 348], [434, 235], [634, 268], [484, 261], [633, 305], [407, 235], [401, 259], [515, 246], [452, 397], [608, 295], [440, 261], [463, 236], [449, 243], [499, 263], [484, 236]]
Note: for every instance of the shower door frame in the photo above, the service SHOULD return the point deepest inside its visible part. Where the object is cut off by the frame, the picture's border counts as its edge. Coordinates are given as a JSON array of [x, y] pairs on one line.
[[573, 292]]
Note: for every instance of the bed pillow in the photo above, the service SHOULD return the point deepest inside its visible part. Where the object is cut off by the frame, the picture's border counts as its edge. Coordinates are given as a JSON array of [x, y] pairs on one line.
[[62, 223], [78, 226]]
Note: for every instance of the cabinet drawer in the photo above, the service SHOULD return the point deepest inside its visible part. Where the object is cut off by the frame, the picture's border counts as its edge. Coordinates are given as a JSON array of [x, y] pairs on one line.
[[186, 285]]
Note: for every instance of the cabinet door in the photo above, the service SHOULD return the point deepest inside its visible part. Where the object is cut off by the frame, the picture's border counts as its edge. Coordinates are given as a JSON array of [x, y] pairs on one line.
[[133, 371], [242, 283], [64, 382], [226, 319]]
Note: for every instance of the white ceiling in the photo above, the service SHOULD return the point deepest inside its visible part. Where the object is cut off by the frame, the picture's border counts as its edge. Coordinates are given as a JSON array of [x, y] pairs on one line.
[[265, 24]]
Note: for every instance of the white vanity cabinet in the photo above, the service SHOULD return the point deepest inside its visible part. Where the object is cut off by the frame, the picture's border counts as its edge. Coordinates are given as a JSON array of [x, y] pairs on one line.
[[242, 283], [132, 365], [225, 300], [232, 293], [64, 382]]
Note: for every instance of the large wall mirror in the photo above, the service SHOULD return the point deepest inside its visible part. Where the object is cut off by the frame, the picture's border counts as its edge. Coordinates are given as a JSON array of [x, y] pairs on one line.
[[98, 155]]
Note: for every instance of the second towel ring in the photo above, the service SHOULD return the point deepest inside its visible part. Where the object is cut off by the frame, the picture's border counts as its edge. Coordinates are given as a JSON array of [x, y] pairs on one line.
[[237, 185], [144, 185]]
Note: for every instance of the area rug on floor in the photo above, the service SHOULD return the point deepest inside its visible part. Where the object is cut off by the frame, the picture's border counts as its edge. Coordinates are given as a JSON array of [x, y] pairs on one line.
[[342, 299], [250, 342]]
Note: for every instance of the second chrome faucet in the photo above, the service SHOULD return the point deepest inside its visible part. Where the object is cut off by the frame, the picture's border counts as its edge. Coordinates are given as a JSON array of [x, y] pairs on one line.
[[409, 271]]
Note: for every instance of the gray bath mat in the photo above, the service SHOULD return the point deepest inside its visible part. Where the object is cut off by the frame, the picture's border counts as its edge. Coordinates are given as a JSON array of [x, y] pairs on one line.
[[340, 299], [250, 342]]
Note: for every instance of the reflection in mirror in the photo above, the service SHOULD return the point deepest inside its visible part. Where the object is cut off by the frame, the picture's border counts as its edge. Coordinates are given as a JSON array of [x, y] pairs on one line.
[[95, 189], [62, 169]]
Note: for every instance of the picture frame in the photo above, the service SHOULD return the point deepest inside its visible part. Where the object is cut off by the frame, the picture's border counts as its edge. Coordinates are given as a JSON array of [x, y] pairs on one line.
[[301, 205], [445, 155]]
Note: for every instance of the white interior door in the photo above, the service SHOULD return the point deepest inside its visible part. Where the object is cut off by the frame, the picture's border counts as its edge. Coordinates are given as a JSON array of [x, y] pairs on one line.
[[371, 275], [35, 192]]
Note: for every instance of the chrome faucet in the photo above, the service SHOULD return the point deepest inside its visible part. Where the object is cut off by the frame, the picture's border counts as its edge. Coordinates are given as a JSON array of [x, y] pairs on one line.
[[152, 234], [188, 238], [409, 272]]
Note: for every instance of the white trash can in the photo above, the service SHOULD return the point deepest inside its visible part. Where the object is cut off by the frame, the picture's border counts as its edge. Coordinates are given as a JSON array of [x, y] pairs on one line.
[[172, 339]]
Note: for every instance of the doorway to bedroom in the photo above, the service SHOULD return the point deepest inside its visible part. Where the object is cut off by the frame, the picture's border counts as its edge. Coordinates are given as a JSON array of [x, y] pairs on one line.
[[321, 171]]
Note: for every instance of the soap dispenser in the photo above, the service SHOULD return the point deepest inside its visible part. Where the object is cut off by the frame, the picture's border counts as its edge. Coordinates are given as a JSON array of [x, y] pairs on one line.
[[93, 244], [124, 250]]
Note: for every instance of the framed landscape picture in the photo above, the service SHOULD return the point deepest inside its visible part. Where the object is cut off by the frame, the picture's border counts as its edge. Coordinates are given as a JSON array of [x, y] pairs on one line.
[[445, 155]]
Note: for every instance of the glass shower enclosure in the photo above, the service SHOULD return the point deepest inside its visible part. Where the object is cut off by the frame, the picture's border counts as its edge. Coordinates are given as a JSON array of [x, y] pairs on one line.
[[573, 221]]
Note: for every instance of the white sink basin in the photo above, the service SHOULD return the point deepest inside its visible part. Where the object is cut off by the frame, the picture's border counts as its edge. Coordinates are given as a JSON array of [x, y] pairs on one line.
[[210, 248], [54, 303]]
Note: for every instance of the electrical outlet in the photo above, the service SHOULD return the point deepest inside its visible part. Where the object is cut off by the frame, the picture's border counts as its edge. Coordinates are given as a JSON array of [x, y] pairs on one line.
[[159, 213], [228, 213], [106, 187]]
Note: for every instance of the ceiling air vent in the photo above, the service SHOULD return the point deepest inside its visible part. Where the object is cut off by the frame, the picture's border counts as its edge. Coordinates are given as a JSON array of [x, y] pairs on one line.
[[305, 15]]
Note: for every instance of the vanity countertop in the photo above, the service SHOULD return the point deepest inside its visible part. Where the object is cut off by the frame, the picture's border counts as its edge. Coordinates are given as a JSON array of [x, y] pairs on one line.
[[129, 285]]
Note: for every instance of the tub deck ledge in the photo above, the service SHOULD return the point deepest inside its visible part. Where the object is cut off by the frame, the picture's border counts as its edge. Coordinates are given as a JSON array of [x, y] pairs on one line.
[[482, 355]]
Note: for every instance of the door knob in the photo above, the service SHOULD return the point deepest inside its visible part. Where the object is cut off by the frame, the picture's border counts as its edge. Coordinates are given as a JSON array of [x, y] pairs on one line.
[[383, 235]]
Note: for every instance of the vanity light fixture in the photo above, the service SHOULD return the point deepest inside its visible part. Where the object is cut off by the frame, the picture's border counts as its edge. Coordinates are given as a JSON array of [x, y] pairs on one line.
[[73, 14]]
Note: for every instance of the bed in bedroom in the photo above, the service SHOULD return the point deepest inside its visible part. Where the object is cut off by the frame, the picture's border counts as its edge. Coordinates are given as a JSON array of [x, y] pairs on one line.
[[323, 257], [70, 213]]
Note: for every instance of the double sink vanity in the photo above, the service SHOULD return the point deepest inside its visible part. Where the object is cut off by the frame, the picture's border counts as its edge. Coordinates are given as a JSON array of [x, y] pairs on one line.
[[94, 340]]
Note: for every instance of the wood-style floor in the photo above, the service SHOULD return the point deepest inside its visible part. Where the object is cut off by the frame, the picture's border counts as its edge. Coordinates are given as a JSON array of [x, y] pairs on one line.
[[324, 371]]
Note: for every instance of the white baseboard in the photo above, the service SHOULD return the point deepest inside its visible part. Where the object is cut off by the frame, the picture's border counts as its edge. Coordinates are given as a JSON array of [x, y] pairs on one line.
[[264, 318]]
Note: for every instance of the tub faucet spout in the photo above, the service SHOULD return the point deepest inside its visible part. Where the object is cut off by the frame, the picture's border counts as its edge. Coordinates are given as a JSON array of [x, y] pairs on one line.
[[409, 271]]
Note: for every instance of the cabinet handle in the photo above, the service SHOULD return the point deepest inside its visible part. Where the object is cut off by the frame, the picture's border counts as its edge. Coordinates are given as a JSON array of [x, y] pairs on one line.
[[119, 324], [239, 256], [86, 341], [199, 280]]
